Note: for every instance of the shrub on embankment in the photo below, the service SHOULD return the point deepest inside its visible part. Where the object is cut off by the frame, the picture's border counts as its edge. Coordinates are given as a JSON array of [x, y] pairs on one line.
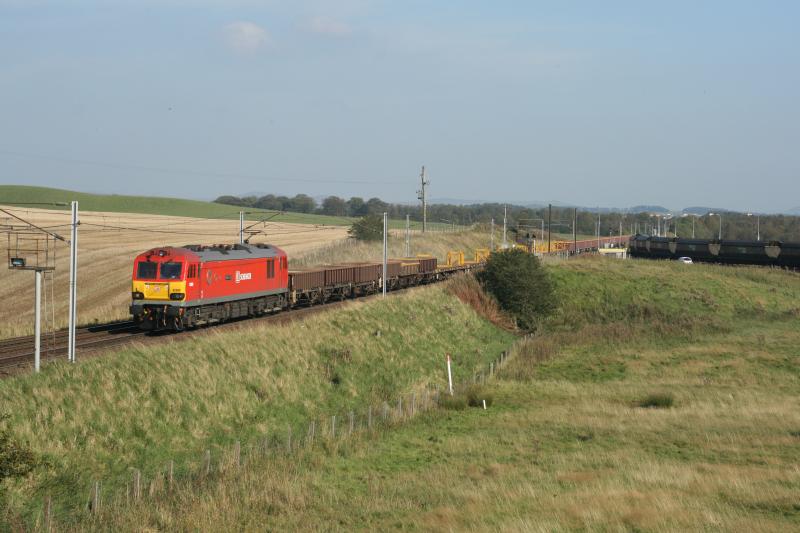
[[144, 406], [520, 285]]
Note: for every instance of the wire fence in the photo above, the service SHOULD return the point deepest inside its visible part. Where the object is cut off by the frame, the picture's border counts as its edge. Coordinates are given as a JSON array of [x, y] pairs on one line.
[[322, 433]]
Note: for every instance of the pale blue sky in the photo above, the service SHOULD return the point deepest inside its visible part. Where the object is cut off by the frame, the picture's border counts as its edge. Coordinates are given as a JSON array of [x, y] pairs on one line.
[[594, 103]]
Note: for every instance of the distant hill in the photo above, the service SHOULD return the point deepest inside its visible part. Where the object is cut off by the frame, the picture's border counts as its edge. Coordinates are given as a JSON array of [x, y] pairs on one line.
[[151, 205], [647, 209], [702, 211]]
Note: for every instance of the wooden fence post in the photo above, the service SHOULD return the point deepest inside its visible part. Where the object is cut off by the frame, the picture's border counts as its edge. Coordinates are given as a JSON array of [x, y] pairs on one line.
[[265, 445], [289, 438], [385, 411], [413, 402], [369, 417], [333, 427], [171, 474], [400, 407], [208, 461], [352, 422], [311, 430], [96, 498], [237, 450], [137, 481], [48, 515]]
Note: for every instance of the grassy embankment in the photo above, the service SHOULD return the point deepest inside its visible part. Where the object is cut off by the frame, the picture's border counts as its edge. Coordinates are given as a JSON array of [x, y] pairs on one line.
[[157, 205], [660, 397], [144, 406]]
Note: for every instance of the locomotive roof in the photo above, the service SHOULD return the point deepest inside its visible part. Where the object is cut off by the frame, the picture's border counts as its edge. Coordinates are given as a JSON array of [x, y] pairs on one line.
[[223, 252]]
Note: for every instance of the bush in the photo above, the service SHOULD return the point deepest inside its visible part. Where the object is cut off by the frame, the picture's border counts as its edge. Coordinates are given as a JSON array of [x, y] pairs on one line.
[[368, 228], [520, 285], [476, 394], [457, 402], [16, 459], [658, 400], [472, 396]]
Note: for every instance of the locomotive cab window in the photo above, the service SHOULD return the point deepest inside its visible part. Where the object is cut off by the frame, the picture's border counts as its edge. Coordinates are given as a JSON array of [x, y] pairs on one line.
[[146, 270], [171, 270], [270, 268]]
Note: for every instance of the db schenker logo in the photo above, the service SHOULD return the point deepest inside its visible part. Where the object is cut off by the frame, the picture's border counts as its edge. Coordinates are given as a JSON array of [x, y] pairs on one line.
[[240, 276]]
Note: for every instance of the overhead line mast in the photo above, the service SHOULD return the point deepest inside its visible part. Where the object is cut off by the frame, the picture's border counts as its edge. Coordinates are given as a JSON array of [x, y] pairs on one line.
[[422, 195]]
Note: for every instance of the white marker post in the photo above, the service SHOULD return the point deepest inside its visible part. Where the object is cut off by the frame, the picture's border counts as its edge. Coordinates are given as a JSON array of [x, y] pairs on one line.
[[449, 376], [73, 279], [37, 325]]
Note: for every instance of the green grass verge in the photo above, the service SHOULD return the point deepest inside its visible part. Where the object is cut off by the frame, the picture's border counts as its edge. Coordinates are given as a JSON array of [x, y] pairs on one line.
[[142, 407], [572, 440]]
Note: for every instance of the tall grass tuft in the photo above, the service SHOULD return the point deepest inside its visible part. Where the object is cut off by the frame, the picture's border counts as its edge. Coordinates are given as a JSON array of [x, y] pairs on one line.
[[657, 400], [467, 289]]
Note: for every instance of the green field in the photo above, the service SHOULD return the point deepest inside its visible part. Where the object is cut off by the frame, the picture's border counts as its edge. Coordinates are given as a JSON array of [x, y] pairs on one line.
[[660, 396], [153, 205]]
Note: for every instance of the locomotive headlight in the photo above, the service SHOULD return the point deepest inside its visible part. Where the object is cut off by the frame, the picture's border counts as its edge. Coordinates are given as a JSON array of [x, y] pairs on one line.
[[177, 296], [136, 295]]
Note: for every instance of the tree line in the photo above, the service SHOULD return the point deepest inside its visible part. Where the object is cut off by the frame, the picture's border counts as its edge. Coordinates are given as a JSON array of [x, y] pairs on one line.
[[532, 222]]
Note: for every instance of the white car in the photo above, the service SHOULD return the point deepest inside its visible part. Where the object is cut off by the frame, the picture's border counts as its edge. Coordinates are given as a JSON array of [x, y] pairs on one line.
[[687, 260]]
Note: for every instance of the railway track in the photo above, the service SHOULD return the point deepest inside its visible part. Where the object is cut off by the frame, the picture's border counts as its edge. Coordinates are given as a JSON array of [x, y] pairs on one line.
[[19, 351]]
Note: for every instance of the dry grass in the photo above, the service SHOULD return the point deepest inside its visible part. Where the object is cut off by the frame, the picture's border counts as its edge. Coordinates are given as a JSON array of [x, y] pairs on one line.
[[467, 289], [105, 260]]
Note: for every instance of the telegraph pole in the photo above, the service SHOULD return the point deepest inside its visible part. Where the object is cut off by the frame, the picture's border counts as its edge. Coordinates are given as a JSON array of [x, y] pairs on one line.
[[575, 231], [385, 219], [73, 279], [549, 229], [598, 229], [505, 221], [241, 227], [408, 236], [422, 195]]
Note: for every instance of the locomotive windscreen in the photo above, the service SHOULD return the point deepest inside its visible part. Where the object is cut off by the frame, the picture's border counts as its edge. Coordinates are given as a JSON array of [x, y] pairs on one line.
[[146, 270], [171, 270]]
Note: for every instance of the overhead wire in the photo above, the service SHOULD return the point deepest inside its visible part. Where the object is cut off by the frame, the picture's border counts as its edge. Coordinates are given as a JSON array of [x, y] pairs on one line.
[[191, 172]]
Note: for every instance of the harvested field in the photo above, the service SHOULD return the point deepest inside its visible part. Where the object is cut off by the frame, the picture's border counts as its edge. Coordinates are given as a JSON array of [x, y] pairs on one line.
[[107, 242]]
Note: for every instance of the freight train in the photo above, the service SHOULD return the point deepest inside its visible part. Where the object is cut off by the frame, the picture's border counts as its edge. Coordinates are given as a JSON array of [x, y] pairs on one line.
[[766, 253], [182, 287]]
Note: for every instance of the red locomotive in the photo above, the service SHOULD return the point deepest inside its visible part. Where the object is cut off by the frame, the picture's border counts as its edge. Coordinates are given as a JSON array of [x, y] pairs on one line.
[[176, 288], [181, 287]]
